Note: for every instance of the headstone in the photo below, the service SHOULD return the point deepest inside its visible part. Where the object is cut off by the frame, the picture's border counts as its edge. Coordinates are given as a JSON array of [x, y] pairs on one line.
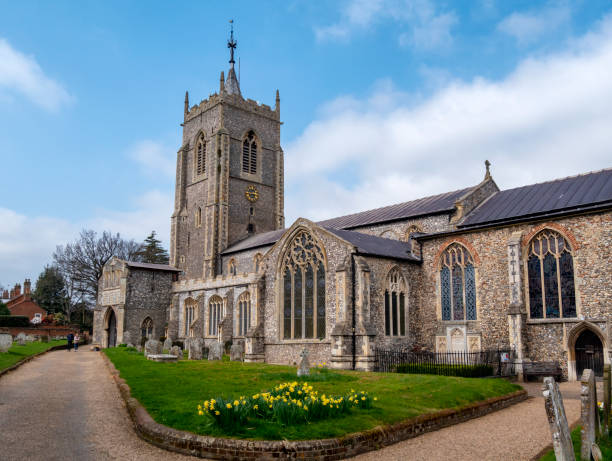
[[30, 338], [21, 339], [152, 347], [127, 337], [557, 421], [606, 393], [215, 351], [175, 350], [195, 348], [236, 352], [162, 358], [167, 344], [589, 413], [304, 366], [6, 341]]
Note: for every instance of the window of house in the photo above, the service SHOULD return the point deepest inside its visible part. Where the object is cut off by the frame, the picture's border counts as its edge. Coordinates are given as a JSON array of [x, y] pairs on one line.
[[214, 315], [550, 276], [244, 313], [249, 153], [395, 304], [303, 295], [200, 157], [146, 329], [457, 284]]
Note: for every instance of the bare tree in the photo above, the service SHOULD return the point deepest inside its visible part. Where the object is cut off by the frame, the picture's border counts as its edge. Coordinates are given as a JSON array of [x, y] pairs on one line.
[[81, 263]]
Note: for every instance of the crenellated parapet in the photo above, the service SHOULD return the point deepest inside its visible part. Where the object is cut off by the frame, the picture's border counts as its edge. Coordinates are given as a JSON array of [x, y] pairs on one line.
[[248, 105]]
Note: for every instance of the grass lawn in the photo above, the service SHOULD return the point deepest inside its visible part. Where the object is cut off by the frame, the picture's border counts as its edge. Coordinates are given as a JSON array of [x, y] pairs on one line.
[[605, 444], [17, 353], [171, 392]]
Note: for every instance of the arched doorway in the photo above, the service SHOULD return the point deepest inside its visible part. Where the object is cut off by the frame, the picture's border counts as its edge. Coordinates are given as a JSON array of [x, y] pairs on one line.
[[112, 329], [589, 353]]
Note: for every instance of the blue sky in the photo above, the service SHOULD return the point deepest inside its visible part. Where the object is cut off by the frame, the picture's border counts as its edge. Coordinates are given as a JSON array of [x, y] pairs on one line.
[[382, 101]]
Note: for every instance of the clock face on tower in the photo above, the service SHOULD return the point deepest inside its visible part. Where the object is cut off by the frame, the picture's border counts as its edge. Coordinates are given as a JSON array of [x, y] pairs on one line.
[[251, 194]]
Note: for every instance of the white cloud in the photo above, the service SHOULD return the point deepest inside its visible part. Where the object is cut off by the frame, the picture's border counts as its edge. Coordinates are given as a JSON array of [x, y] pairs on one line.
[[426, 28], [22, 74], [528, 27], [549, 118], [154, 158]]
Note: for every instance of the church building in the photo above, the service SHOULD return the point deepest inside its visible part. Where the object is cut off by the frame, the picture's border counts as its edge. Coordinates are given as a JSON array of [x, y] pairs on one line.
[[473, 269]]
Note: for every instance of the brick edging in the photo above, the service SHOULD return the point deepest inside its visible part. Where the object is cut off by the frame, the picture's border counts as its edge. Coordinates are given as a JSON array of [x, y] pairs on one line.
[[324, 449], [30, 357]]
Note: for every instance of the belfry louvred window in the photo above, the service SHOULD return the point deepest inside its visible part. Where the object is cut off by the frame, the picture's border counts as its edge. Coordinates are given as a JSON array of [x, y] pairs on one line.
[[303, 296], [395, 304], [457, 284], [249, 153], [200, 163], [550, 275]]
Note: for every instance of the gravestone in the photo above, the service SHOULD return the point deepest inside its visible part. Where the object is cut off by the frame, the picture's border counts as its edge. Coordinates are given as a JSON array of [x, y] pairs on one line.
[[236, 352], [589, 413], [606, 391], [215, 351], [127, 337], [162, 358], [152, 347], [304, 367], [167, 344], [195, 348], [557, 421], [21, 339], [6, 341], [30, 339], [175, 350]]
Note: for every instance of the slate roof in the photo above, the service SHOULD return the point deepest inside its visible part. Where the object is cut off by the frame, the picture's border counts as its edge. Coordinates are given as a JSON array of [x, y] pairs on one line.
[[159, 267], [424, 206], [257, 240], [582, 192], [375, 246]]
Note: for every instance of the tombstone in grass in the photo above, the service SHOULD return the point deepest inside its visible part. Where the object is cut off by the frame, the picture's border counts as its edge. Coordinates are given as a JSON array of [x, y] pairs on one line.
[[175, 350], [557, 421], [195, 348], [30, 338], [236, 352], [215, 351], [589, 414], [21, 339], [606, 391], [152, 347], [127, 337], [304, 367], [6, 341]]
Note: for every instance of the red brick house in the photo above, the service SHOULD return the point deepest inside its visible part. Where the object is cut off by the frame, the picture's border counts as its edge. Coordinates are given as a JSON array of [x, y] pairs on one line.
[[22, 303]]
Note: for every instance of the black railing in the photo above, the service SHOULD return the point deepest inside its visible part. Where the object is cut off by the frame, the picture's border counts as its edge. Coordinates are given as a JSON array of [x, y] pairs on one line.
[[468, 364]]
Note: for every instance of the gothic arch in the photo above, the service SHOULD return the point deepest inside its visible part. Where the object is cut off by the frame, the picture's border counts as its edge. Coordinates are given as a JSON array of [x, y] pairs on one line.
[[108, 315], [251, 151], [553, 227], [395, 303], [461, 241], [572, 337], [286, 246], [243, 313], [200, 158], [216, 307]]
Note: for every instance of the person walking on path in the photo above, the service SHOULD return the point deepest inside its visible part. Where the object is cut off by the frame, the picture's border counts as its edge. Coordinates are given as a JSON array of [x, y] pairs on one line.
[[76, 342], [70, 338]]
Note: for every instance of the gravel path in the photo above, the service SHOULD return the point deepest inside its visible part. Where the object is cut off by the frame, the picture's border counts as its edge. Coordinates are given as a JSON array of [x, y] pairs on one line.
[[65, 406]]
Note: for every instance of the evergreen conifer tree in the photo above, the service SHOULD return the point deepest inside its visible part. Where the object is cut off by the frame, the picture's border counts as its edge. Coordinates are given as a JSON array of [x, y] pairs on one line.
[[152, 251]]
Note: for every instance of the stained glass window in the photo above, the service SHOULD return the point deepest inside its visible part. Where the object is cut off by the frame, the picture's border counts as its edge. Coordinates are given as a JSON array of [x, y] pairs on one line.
[[244, 313], [304, 289], [214, 315], [457, 284], [550, 275], [395, 309]]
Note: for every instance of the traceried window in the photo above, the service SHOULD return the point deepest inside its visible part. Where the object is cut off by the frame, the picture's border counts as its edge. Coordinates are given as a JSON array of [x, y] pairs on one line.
[[550, 274], [303, 294], [249, 153], [231, 267], [200, 157], [198, 217], [244, 313], [457, 284], [395, 304], [146, 329], [215, 310], [190, 315]]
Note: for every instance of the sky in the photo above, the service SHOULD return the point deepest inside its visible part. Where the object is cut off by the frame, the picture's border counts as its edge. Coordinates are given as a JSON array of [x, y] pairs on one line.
[[383, 101]]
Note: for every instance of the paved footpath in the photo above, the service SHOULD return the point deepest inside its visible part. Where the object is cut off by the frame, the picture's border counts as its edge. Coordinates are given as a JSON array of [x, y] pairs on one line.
[[65, 406]]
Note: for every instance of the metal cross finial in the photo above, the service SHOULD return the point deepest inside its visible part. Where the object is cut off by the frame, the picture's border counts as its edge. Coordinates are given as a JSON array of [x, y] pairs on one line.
[[231, 43], [488, 173]]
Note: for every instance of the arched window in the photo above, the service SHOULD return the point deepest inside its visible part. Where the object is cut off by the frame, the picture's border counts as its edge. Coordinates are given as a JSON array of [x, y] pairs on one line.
[[395, 304], [198, 217], [146, 329], [231, 267], [303, 295], [190, 315], [550, 274], [244, 313], [249, 153], [457, 284], [215, 308], [257, 262], [200, 156]]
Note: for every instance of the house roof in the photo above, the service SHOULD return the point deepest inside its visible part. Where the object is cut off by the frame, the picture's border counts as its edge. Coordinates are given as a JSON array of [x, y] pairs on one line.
[[376, 246], [158, 267], [582, 192]]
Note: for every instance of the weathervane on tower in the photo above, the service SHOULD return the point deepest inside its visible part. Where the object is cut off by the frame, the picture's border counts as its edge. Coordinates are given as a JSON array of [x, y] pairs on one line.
[[231, 43]]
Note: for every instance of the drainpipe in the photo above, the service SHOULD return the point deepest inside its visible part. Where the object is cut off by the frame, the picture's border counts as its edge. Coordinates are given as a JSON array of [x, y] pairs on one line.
[[354, 310]]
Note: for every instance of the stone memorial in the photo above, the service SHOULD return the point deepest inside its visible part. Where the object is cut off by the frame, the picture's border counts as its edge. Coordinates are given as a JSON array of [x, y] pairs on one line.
[[559, 430], [162, 358], [236, 352], [152, 347], [195, 348], [6, 341], [21, 339], [589, 413], [30, 338], [127, 337], [167, 344], [304, 366], [176, 350], [215, 351]]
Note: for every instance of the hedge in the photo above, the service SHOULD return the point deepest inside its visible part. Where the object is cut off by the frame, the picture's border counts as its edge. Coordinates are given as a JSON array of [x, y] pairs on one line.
[[14, 321]]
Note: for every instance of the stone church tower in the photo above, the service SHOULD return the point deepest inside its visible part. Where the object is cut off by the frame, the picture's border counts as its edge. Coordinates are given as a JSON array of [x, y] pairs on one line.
[[229, 176]]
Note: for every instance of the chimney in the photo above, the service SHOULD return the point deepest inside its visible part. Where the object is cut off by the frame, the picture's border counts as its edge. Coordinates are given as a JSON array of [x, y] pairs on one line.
[[27, 288], [17, 289], [12, 295], [5, 294]]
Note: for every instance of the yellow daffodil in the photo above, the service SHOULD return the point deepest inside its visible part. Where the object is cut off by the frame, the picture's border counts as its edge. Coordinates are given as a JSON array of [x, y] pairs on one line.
[[200, 412], [256, 407], [228, 405], [236, 403], [217, 413]]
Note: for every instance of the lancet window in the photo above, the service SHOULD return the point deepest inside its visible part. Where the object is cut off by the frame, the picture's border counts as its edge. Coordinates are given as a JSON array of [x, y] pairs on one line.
[[146, 329], [550, 274], [249, 153], [200, 157], [215, 310], [190, 315], [395, 304], [198, 217], [303, 294], [244, 313], [457, 284]]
